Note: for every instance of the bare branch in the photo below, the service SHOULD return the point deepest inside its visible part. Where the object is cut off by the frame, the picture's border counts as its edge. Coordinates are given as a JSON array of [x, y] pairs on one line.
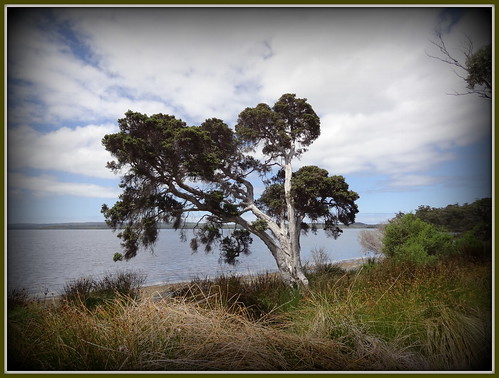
[[469, 53]]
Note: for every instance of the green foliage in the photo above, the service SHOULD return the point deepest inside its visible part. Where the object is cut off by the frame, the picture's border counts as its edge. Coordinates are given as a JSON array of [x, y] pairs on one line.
[[472, 247], [117, 257], [461, 218], [316, 196], [408, 238], [259, 225], [161, 152], [234, 245], [291, 121], [479, 68]]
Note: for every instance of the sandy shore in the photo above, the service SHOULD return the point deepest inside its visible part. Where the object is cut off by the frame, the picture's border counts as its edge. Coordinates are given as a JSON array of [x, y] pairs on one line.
[[161, 290]]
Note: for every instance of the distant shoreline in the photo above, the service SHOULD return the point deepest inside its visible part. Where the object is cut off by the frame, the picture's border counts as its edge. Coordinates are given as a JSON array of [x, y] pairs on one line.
[[104, 226]]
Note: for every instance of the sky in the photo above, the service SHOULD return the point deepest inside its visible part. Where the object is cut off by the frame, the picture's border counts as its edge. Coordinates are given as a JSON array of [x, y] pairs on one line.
[[390, 122]]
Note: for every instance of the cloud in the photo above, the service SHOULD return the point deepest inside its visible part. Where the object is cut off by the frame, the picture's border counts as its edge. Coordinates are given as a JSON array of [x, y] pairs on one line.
[[412, 137], [382, 100], [77, 151], [410, 180], [46, 185], [185, 57]]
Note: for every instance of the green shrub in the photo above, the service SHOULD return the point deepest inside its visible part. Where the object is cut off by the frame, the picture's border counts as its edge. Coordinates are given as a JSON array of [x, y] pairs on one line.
[[408, 238], [470, 246]]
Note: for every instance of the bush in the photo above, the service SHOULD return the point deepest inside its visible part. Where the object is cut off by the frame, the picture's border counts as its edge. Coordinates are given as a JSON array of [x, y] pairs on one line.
[[408, 238], [321, 264], [470, 246]]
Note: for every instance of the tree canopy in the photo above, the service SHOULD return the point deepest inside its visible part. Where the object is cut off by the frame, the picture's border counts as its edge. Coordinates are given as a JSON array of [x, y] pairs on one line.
[[170, 170]]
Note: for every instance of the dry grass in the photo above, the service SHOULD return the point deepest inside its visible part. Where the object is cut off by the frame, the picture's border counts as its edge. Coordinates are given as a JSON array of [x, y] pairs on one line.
[[171, 335], [377, 318]]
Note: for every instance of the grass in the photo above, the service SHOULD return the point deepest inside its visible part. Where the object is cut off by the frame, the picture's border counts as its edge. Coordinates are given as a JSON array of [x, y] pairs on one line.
[[90, 293], [382, 316]]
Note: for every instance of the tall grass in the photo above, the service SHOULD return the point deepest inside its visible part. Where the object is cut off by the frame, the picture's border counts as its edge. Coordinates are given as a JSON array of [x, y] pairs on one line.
[[387, 317], [434, 317], [91, 292]]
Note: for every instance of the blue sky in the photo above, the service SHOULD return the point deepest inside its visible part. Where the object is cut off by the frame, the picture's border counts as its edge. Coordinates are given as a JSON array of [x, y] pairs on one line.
[[389, 123]]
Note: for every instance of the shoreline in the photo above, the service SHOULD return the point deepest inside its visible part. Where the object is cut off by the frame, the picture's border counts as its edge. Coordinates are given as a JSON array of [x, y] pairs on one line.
[[158, 290], [161, 290]]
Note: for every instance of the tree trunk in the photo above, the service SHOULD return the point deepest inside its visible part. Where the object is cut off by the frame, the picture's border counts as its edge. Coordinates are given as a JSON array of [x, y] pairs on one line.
[[293, 229], [288, 263], [290, 268], [285, 243]]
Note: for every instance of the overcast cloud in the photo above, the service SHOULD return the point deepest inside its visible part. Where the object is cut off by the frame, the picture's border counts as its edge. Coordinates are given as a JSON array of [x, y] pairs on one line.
[[388, 122]]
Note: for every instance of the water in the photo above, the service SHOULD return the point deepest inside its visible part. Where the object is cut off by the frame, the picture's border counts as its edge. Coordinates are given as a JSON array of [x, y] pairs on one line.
[[43, 261]]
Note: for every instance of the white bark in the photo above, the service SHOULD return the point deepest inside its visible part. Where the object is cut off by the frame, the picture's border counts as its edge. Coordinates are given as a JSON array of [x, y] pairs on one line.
[[293, 226], [283, 240]]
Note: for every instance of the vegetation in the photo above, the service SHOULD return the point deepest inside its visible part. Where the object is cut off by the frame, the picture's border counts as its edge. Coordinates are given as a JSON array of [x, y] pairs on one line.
[[90, 292], [421, 237], [426, 306], [171, 170], [408, 238], [393, 315], [476, 217], [475, 69]]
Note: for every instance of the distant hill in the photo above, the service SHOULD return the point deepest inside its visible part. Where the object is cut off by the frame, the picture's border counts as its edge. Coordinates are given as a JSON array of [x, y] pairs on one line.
[[103, 226], [59, 226]]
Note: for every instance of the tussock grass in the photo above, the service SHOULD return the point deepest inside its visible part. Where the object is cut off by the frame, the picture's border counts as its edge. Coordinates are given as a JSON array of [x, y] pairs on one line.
[[382, 317], [168, 335], [259, 296], [90, 292]]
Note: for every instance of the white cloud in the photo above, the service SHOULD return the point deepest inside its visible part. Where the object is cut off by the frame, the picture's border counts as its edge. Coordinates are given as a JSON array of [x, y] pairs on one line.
[[412, 137], [410, 180], [77, 151], [46, 185], [381, 99]]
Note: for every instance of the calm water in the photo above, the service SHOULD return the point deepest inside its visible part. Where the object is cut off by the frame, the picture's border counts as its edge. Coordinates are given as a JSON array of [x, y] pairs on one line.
[[42, 261]]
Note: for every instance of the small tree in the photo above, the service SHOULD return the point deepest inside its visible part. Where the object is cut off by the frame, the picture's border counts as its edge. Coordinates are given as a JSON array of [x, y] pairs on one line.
[[170, 170]]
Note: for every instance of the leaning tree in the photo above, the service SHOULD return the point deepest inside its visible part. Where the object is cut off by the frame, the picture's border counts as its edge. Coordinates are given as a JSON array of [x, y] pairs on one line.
[[170, 170]]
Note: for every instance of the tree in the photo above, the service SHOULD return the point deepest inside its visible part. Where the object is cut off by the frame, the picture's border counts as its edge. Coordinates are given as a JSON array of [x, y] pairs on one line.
[[170, 170], [476, 217], [477, 66]]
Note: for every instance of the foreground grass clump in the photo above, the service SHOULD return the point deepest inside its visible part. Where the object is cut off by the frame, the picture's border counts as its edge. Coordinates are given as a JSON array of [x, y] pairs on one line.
[[165, 335], [387, 316], [259, 297], [91, 292]]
